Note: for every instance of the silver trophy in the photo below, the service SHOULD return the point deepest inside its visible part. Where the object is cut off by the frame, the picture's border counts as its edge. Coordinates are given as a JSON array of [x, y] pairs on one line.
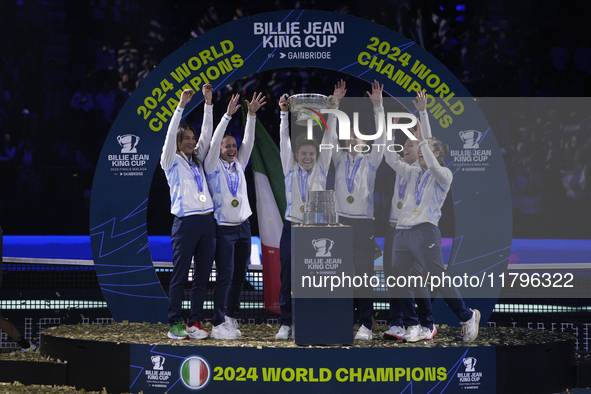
[[303, 104], [320, 208]]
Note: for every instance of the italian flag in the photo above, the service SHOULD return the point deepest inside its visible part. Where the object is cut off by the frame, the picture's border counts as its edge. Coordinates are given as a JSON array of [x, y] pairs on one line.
[[195, 372], [270, 195]]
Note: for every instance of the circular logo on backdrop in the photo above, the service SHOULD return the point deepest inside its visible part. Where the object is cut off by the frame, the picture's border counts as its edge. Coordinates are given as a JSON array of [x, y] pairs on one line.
[[195, 373]]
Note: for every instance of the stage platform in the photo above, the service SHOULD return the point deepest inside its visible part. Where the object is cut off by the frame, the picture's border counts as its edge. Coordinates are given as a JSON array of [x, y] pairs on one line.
[[137, 357], [507, 360]]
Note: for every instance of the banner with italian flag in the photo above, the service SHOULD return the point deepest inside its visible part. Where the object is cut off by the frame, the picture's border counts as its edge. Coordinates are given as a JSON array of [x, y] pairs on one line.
[[271, 203]]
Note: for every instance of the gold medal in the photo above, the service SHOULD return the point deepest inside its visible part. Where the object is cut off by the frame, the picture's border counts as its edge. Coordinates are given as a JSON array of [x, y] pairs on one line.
[[416, 210], [202, 198], [399, 205], [302, 208], [350, 199], [235, 203]]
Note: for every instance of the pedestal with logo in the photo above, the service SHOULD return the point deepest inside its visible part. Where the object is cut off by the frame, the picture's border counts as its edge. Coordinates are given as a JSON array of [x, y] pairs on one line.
[[322, 309]]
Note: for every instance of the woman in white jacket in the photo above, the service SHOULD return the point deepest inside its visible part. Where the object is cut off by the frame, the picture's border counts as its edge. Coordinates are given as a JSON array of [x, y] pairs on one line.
[[224, 167], [304, 171], [417, 236], [356, 166], [193, 229]]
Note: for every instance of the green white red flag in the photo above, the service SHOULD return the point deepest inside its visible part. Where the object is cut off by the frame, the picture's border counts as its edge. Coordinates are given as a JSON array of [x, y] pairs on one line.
[[270, 206]]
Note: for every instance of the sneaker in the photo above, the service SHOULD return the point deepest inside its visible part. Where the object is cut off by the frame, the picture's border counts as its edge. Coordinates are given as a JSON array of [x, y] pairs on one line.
[[284, 333], [178, 331], [30, 349], [223, 331], [470, 327], [429, 334], [196, 331], [394, 333], [364, 334], [413, 334], [234, 324]]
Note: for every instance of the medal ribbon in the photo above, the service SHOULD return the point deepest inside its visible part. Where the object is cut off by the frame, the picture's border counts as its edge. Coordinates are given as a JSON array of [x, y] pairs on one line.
[[351, 180], [419, 193], [303, 183], [401, 186], [197, 174], [232, 185]]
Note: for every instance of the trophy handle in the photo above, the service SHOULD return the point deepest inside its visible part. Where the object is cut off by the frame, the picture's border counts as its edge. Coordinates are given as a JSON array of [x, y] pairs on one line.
[[331, 102], [288, 101]]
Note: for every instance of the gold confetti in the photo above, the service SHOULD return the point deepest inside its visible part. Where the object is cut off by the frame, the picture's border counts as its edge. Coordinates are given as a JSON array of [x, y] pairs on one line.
[[263, 336]]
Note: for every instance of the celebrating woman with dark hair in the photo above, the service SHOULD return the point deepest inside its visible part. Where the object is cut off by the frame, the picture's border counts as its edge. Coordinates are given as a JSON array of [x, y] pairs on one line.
[[193, 229], [304, 171], [224, 167], [355, 174]]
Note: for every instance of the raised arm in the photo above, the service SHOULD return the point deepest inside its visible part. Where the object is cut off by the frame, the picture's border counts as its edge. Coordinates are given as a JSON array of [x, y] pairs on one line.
[[442, 175], [248, 140], [214, 149], [207, 127], [375, 96], [284, 140], [421, 106], [333, 140], [170, 147], [337, 95], [394, 160], [325, 155]]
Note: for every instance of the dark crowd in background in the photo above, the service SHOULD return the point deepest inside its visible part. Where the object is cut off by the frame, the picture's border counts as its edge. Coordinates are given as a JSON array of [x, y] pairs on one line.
[[68, 67]]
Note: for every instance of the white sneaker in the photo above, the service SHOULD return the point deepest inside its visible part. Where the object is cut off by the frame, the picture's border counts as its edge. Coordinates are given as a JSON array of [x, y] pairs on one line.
[[284, 333], [233, 323], [31, 349], [394, 333], [470, 327], [413, 334], [364, 334], [196, 331], [223, 331], [429, 334]]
